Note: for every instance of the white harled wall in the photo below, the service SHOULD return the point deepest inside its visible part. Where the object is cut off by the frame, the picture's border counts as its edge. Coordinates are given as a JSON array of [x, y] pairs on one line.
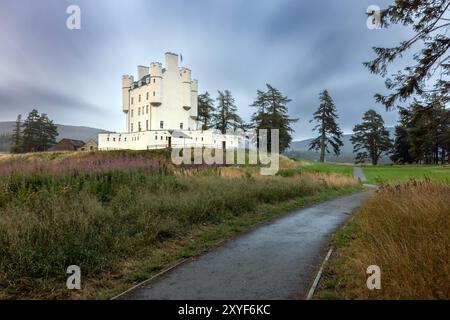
[[164, 94]]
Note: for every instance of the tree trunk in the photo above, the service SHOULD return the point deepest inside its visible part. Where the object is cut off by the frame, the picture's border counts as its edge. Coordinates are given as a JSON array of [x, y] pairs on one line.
[[322, 149]]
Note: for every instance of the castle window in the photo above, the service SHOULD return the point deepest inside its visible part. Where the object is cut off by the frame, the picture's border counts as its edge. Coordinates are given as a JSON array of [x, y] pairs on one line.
[[161, 137], [139, 126], [154, 80], [107, 139], [125, 139], [114, 139], [161, 124], [156, 137], [132, 99], [131, 127], [147, 109], [154, 93], [181, 125], [147, 95], [146, 125], [139, 111], [132, 113], [139, 98]]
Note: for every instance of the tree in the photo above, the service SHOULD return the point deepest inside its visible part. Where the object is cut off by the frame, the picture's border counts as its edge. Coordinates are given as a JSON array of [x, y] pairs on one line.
[[272, 113], [430, 73], [205, 110], [225, 117], [16, 140], [327, 127], [428, 127], [370, 138], [49, 133], [400, 153], [39, 132]]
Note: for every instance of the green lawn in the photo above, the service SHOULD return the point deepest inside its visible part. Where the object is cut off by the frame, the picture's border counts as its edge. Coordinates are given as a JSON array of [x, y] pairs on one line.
[[401, 173], [377, 174]]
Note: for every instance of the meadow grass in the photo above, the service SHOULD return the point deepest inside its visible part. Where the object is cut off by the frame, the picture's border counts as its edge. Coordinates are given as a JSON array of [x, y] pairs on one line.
[[122, 216], [317, 167], [404, 230]]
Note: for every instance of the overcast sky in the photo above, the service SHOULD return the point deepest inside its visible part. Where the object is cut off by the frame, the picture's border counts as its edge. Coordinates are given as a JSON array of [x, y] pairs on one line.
[[299, 46]]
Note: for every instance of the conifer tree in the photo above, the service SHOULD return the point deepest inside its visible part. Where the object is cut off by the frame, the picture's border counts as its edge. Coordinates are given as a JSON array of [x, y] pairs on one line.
[[272, 113], [16, 140], [329, 132], [205, 110], [226, 117], [370, 139], [429, 75], [39, 132]]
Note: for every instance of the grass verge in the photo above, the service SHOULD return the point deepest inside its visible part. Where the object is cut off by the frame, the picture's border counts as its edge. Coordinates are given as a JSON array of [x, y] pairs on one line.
[[404, 230]]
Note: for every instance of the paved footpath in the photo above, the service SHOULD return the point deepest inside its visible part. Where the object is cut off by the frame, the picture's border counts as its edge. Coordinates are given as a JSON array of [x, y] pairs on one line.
[[277, 260], [358, 173]]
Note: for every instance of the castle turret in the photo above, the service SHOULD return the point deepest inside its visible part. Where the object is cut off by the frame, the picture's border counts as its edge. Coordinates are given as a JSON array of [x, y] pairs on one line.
[[127, 81], [194, 99], [142, 71], [171, 61], [156, 84], [186, 88]]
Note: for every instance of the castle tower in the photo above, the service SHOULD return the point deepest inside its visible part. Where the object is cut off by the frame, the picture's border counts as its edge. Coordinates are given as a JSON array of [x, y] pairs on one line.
[[186, 88], [142, 71], [156, 84], [193, 112], [127, 81]]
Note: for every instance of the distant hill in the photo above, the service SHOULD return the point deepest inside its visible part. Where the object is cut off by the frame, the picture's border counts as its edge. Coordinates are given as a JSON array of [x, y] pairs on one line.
[[65, 131], [300, 148]]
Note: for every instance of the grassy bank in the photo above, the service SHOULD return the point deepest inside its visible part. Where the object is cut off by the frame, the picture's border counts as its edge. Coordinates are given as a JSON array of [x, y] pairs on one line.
[[124, 216], [404, 230]]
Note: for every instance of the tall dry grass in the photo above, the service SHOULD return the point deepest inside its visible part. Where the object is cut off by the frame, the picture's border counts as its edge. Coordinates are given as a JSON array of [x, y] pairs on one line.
[[405, 230], [97, 218]]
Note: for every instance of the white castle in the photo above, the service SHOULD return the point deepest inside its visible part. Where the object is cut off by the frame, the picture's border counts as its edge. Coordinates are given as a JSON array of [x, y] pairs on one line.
[[161, 111]]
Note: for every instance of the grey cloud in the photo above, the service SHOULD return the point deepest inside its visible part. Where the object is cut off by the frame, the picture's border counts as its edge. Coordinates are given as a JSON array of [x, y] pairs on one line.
[[301, 47]]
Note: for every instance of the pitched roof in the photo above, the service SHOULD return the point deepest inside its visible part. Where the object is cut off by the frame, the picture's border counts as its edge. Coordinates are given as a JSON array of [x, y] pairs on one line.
[[75, 143]]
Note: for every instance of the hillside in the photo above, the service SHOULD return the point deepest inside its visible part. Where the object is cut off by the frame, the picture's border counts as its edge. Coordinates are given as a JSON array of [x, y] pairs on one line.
[[65, 131], [299, 149]]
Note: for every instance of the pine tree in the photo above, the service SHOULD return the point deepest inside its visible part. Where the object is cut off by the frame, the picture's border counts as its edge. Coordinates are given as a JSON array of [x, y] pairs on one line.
[[16, 140], [428, 128], [329, 131], [272, 113], [48, 134], [225, 117], [370, 139], [400, 153], [31, 132], [39, 132], [205, 110], [430, 73]]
